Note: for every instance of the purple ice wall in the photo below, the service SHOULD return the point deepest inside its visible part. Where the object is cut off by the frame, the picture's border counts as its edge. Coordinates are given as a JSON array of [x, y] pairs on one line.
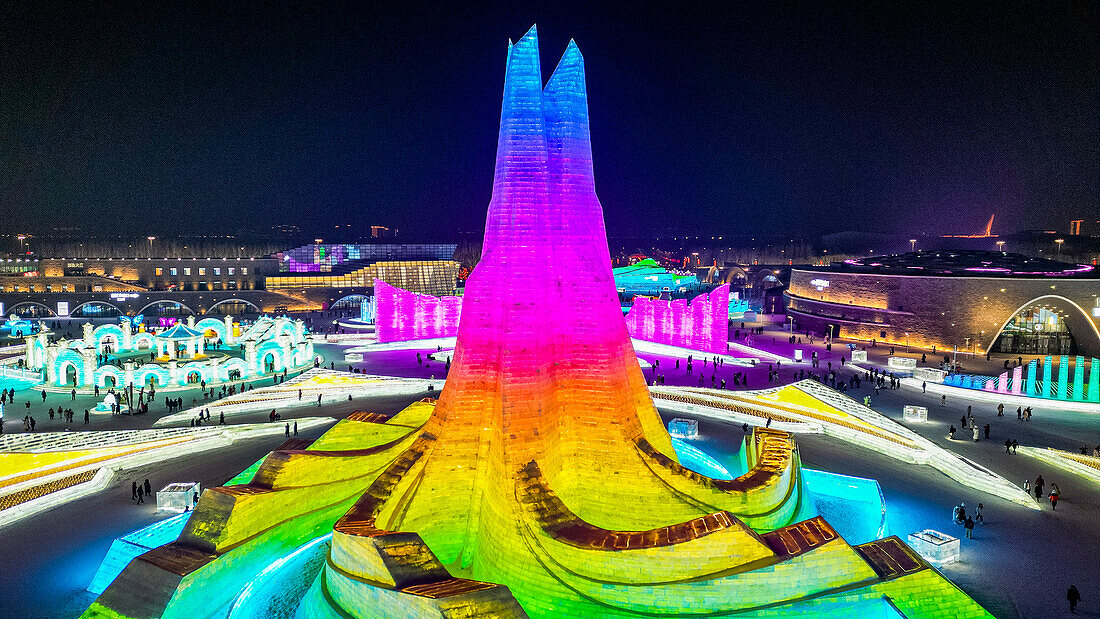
[[404, 315], [701, 324]]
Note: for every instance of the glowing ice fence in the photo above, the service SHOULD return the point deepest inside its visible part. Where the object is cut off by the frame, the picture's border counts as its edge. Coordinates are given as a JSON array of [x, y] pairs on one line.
[[701, 324], [402, 315], [1040, 380]]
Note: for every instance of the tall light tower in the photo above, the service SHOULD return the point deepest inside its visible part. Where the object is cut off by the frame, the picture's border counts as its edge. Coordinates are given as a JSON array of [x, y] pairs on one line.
[[1000, 246], [151, 239], [21, 237], [1059, 243], [912, 244]]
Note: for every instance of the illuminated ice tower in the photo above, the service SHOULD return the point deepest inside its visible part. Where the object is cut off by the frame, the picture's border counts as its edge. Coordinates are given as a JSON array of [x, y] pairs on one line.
[[541, 482], [544, 370]]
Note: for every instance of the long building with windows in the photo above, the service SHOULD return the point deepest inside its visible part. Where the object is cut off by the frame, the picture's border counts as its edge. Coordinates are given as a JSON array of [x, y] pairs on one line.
[[303, 278], [975, 301], [425, 268], [97, 274]]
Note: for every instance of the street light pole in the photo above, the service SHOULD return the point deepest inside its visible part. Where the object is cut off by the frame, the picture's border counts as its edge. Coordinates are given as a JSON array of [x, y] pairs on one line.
[[1000, 246], [151, 239], [1059, 243], [912, 244]]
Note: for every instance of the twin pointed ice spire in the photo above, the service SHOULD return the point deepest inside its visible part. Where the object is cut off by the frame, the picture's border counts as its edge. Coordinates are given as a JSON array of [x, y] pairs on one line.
[[544, 152]]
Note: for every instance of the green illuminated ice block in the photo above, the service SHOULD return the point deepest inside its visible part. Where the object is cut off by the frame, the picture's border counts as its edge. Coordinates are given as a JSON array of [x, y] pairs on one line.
[[1047, 388], [1094, 381], [1063, 377], [1079, 378], [1032, 377]]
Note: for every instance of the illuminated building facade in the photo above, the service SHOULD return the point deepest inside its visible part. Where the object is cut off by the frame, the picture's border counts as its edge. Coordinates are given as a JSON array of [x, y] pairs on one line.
[[542, 483], [426, 268], [973, 300], [329, 257]]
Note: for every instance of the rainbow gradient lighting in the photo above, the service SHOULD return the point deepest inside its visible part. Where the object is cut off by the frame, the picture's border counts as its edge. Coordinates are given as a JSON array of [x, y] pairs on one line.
[[542, 482]]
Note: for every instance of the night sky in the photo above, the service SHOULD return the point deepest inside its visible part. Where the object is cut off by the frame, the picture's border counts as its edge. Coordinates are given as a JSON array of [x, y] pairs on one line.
[[712, 118]]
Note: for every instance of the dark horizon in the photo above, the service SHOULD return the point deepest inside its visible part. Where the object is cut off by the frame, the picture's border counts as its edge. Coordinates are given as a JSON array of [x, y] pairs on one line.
[[760, 120]]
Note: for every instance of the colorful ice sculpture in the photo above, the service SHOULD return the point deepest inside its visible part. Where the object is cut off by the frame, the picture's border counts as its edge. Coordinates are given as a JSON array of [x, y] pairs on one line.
[[542, 483], [1039, 381]]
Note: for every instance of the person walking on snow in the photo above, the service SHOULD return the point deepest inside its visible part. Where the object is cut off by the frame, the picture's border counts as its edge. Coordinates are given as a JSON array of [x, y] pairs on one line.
[[969, 525], [1073, 596]]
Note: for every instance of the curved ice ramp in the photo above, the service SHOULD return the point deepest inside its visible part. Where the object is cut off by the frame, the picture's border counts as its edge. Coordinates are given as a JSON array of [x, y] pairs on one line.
[[808, 406]]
